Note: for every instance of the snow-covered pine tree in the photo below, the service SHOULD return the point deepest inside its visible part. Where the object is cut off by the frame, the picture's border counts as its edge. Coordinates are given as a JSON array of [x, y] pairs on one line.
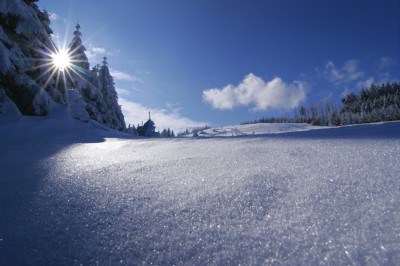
[[131, 130], [85, 81], [24, 45], [115, 118], [27, 81], [164, 133], [44, 48], [77, 52]]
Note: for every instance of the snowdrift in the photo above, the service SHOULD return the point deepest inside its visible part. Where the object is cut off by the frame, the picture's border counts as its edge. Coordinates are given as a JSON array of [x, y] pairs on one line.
[[78, 193]]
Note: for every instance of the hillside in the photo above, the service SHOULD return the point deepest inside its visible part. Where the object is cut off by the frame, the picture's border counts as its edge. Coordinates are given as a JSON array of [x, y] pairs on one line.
[[79, 193], [257, 129]]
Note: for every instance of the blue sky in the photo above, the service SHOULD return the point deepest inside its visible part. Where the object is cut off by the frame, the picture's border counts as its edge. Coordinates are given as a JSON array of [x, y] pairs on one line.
[[223, 62]]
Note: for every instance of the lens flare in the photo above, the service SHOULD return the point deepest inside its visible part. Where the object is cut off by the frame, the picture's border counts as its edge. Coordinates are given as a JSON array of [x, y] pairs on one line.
[[61, 59]]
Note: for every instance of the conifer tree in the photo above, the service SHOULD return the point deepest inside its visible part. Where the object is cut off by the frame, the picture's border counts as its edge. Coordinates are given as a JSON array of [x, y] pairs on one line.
[[131, 130], [77, 50], [84, 81], [114, 116], [24, 45]]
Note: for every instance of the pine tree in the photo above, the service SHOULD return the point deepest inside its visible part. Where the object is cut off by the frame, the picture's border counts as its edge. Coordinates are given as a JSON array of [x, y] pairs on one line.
[[303, 115], [378, 103], [77, 52], [85, 81], [24, 47], [131, 130], [164, 133], [114, 115], [44, 47]]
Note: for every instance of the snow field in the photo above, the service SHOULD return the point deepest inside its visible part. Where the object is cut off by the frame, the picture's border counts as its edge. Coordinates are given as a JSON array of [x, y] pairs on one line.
[[287, 199], [257, 129]]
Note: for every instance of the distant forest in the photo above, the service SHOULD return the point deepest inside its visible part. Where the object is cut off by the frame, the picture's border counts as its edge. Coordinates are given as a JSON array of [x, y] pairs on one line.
[[376, 104]]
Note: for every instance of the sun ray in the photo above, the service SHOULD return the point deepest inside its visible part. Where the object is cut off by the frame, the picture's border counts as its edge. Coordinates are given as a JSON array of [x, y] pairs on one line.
[[61, 59], [50, 77], [59, 63]]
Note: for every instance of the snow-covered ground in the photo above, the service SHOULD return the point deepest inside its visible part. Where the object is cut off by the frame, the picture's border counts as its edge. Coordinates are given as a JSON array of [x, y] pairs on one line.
[[256, 129], [74, 193]]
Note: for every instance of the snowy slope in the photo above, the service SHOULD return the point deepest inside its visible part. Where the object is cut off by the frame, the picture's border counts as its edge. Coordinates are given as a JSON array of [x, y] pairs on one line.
[[59, 127], [73, 193], [256, 129]]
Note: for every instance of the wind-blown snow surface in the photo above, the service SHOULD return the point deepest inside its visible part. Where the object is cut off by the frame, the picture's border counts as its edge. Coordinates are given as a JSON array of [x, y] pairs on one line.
[[318, 197]]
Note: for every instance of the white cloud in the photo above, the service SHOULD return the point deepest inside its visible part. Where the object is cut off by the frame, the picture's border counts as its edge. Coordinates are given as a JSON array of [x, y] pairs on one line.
[[365, 84], [53, 16], [135, 113], [345, 92], [98, 50], [120, 75], [386, 62], [332, 72], [348, 72], [256, 92], [124, 92], [93, 52]]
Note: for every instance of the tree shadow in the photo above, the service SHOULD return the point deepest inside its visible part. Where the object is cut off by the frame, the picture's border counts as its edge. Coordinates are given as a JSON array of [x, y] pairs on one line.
[[35, 227]]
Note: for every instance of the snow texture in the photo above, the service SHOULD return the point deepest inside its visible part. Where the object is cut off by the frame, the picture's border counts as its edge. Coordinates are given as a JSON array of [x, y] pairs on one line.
[[76, 193]]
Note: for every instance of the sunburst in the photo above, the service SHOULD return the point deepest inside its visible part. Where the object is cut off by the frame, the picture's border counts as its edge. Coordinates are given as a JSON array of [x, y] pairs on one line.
[[61, 60], [59, 64]]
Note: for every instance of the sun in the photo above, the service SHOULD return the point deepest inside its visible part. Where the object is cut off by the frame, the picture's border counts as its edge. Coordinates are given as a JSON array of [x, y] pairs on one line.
[[61, 59]]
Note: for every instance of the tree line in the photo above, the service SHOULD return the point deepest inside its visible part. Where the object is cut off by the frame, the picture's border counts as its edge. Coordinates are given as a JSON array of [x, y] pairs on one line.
[[376, 104], [165, 133]]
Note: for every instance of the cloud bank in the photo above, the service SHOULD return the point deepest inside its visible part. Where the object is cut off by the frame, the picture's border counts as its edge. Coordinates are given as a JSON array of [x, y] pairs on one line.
[[254, 91], [348, 72], [135, 113], [120, 75]]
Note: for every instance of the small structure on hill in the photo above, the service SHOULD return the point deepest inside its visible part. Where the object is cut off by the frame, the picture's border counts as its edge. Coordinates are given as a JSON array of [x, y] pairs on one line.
[[148, 129]]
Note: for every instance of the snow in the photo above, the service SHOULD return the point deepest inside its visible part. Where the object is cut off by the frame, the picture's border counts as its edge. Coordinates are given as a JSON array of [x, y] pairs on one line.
[[77, 105], [256, 129], [79, 193], [29, 24]]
